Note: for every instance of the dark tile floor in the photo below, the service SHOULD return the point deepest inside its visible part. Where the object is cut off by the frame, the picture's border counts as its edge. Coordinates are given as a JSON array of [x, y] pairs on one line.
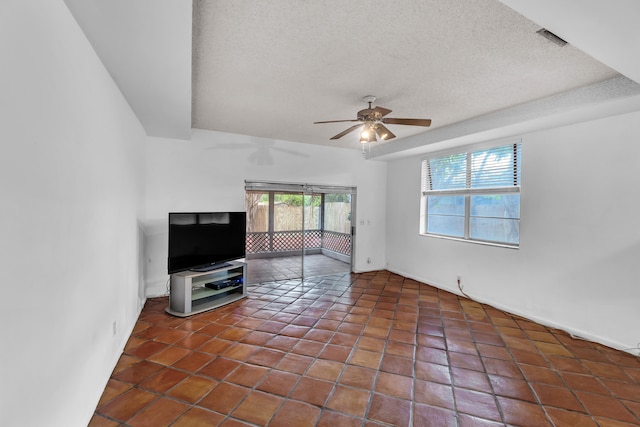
[[372, 349], [262, 270]]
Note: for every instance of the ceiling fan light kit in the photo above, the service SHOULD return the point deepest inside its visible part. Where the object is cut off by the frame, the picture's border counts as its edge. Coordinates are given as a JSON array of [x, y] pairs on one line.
[[368, 134], [372, 121]]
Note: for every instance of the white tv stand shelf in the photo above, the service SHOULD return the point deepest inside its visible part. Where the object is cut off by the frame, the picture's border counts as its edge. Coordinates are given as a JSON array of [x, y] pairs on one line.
[[190, 294]]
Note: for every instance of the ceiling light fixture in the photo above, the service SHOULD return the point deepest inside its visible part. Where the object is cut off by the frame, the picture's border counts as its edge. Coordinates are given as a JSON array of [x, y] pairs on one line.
[[368, 134]]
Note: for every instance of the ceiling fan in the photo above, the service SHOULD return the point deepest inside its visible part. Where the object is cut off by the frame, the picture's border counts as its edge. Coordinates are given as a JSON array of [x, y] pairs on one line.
[[373, 121]]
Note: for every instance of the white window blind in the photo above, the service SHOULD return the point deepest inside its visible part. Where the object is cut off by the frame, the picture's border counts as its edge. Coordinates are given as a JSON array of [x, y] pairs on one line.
[[496, 167], [474, 195]]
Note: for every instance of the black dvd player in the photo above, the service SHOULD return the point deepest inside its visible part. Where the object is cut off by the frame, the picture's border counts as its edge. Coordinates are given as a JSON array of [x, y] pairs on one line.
[[221, 284]]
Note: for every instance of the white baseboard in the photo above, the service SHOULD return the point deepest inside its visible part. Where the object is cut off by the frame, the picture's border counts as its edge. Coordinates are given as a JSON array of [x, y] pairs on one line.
[[575, 333]]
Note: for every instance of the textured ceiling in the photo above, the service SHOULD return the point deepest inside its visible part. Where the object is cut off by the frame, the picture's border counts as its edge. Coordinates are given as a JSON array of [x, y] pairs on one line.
[[272, 68]]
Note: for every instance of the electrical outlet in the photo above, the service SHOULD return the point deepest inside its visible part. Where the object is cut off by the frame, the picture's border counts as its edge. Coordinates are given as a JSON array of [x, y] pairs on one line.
[[368, 260], [459, 278], [115, 328]]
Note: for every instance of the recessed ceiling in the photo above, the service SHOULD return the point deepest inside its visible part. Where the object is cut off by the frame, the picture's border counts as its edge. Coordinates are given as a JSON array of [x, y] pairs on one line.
[[270, 69]]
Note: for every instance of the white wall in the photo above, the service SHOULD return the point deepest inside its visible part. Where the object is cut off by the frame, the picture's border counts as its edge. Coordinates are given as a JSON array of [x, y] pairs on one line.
[[208, 173], [578, 263], [70, 247], [146, 47]]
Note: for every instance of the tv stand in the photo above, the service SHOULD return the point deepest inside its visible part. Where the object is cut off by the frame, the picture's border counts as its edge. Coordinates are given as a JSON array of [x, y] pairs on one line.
[[194, 292]]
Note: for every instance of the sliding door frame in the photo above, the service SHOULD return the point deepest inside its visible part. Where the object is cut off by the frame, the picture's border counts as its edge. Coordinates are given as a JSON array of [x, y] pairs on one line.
[[308, 190]]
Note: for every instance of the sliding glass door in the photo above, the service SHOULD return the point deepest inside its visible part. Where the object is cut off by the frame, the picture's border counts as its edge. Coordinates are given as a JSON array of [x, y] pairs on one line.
[[327, 234], [274, 235], [297, 234]]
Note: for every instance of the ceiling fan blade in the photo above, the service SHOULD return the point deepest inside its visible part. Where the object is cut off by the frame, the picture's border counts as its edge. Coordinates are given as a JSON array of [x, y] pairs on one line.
[[381, 111], [384, 133], [336, 121], [344, 132], [410, 122]]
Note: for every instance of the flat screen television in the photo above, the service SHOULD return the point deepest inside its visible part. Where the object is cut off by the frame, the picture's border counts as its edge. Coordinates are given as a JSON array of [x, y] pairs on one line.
[[203, 240]]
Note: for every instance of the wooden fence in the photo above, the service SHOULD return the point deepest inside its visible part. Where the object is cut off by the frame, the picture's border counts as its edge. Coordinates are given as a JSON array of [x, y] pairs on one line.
[[337, 217]]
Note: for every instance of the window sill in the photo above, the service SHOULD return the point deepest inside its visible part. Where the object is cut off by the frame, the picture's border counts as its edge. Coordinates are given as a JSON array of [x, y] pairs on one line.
[[477, 242]]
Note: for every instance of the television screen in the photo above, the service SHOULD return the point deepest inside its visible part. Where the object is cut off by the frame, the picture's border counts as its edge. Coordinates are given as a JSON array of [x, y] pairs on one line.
[[203, 239]]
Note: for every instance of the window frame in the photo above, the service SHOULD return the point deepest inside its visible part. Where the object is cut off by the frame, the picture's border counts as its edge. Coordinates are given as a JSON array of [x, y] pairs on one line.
[[468, 192]]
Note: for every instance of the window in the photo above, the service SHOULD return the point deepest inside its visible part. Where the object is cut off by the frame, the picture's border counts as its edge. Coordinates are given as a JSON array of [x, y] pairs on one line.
[[473, 195]]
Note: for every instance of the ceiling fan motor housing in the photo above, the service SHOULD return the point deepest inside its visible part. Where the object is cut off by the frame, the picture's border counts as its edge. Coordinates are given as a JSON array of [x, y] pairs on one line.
[[366, 114]]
